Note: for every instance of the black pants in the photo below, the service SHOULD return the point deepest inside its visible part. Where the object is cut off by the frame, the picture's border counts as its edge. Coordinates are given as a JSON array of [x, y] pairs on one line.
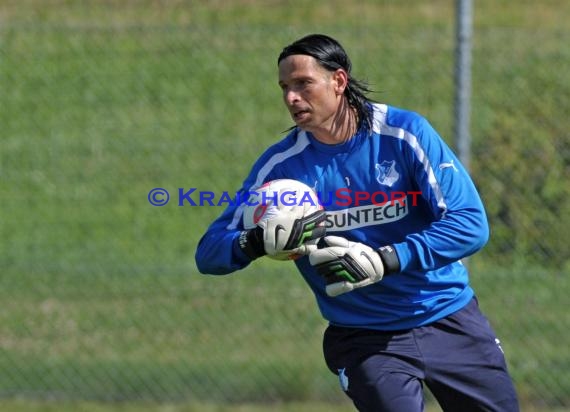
[[459, 358]]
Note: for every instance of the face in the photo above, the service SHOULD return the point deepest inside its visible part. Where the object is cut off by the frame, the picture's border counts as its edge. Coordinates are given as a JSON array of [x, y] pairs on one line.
[[311, 93]]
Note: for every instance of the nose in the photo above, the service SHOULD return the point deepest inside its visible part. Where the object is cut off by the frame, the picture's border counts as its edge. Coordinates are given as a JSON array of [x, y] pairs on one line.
[[291, 97]]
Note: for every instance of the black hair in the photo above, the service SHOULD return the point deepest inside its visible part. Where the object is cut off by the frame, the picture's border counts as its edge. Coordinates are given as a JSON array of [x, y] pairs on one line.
[[331, 55]]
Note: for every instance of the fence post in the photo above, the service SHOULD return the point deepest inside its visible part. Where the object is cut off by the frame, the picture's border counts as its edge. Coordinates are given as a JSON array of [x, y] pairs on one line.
[[462, 106]]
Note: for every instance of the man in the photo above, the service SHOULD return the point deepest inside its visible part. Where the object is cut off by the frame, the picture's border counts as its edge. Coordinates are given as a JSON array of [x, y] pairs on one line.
[[388, 275]]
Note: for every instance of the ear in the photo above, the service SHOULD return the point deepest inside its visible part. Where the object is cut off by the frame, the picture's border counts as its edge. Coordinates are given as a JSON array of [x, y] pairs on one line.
[[340, 81]]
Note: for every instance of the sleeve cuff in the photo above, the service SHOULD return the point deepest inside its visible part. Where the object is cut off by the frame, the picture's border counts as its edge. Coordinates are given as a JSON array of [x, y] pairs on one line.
[[238, 252], [389, 259]]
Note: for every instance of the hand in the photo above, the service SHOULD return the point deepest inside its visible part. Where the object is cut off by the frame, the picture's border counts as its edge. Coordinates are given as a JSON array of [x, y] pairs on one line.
[[283, 236], [346, 265]]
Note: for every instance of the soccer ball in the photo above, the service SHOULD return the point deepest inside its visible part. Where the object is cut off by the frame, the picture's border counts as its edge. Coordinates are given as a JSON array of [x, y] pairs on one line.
[[278, 197]]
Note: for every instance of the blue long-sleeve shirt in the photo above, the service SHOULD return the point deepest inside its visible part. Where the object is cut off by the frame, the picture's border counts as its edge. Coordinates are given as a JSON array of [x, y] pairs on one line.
[[398, 185]]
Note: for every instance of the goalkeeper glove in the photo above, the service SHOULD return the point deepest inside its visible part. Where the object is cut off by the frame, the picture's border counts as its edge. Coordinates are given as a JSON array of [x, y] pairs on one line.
[[282, 236], [347, 265]]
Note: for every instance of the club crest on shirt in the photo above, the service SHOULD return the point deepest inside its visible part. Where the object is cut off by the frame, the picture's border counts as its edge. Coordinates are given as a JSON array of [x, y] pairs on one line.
[[386, 173]]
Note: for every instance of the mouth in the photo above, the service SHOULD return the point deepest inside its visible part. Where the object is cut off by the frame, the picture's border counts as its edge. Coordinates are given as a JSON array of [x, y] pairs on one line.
[[299, 115]]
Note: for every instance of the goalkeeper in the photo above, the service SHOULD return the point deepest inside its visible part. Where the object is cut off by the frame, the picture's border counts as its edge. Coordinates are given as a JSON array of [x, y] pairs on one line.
[[388, 278]]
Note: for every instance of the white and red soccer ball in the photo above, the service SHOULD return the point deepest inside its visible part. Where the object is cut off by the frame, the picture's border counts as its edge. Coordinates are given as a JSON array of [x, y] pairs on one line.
[[277, 198]]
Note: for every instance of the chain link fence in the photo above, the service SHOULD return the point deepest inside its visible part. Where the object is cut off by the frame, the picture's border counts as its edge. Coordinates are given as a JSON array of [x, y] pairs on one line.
[[103, 101]]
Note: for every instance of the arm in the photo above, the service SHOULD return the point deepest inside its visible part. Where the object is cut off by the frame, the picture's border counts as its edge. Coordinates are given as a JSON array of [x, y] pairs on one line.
[[460, 225], [227, 247], [218, 252]]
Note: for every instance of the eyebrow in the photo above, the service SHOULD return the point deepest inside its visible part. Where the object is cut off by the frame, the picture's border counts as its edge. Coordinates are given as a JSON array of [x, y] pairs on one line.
[[298, 78]]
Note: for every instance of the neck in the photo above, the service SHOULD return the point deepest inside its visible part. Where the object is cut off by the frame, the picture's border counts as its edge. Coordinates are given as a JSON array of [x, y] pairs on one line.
[[344, 126]]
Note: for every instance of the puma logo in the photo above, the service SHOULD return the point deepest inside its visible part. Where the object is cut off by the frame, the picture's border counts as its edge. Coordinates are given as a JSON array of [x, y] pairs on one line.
[[447, 165]]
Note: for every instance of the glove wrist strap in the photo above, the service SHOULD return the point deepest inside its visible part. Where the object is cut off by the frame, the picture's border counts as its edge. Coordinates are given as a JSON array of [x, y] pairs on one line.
[[389, 259], [251, 243]]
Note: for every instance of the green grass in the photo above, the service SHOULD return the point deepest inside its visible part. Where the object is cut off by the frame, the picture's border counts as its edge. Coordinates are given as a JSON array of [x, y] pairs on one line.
[[31, 406], [27, 406], [101, 299]]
